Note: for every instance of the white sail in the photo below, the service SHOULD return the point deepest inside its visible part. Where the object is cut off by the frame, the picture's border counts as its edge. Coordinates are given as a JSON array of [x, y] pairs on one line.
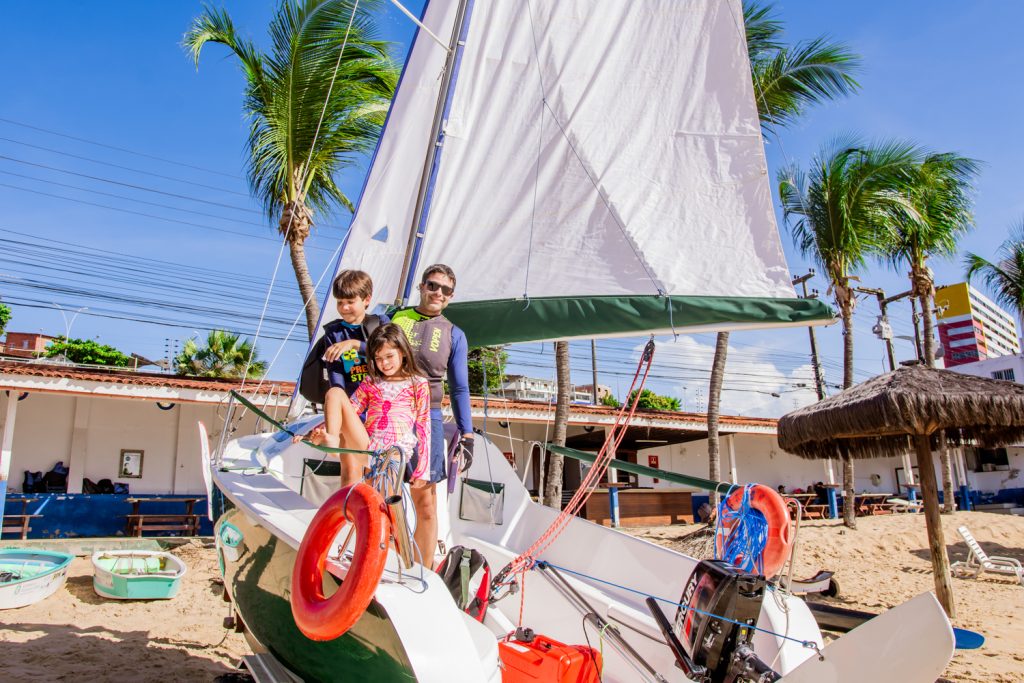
[[591, 148]]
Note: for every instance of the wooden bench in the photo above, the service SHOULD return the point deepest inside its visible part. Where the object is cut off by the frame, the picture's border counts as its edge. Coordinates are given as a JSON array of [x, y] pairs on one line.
[[138, 521], [17, 524], [815, 511], [161, 522]]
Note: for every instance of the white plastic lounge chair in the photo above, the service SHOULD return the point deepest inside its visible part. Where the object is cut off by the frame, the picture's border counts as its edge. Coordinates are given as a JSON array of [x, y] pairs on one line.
[[979, 561]]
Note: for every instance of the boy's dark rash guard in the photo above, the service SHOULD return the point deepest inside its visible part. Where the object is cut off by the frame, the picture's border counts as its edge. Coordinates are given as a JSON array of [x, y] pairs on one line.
[[441, 350], [348, 373]]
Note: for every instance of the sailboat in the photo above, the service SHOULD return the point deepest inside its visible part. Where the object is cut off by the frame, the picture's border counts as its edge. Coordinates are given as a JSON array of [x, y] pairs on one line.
[[588, 168]]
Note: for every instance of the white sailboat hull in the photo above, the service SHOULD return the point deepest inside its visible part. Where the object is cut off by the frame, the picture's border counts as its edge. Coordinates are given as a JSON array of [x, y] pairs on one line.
[[611, 570]]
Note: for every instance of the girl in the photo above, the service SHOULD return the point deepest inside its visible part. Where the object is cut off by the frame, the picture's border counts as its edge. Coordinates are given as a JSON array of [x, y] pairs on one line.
[[396, 400]]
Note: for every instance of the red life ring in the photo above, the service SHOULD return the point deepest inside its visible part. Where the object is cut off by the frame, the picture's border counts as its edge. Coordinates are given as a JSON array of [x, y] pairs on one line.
[[323, 618], [769, 503]]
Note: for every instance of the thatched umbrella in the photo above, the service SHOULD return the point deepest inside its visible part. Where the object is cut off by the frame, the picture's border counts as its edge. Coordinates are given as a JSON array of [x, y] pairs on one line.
[[881, 417]]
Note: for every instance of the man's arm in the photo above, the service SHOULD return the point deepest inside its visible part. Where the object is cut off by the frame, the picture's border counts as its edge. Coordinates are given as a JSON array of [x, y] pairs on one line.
[[458, 382]]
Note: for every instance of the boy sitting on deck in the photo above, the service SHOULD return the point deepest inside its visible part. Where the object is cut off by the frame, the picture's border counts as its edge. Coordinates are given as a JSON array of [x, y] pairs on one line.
[[345, 359]]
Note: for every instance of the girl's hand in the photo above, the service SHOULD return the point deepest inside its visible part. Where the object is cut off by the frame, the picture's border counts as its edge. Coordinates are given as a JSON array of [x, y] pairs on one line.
[[334, 351]]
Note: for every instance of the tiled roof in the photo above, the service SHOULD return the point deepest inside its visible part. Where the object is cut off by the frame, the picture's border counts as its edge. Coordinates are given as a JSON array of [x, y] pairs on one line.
[[145, 379], [578, 409]]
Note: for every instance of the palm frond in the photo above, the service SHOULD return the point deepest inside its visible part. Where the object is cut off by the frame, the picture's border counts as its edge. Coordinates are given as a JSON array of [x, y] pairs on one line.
[[293, 155], [763, 29], [793, 78], [1004, 278]]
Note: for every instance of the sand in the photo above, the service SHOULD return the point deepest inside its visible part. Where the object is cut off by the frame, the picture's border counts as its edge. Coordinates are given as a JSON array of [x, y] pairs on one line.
[[77, 635], [885, 561]]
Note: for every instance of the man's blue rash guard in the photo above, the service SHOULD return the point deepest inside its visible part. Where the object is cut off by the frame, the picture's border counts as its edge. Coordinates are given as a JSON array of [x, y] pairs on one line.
[[441, 351]]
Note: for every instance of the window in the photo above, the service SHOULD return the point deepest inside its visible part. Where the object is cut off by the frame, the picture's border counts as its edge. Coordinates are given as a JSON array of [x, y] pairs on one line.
[[986, 459], [1004, 374]]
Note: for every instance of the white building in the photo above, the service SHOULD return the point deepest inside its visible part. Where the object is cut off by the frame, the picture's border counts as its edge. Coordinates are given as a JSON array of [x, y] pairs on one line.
[[523, 388]]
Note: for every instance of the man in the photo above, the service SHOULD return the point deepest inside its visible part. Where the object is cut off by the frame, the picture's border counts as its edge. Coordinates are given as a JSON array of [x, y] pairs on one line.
[[441, 351]]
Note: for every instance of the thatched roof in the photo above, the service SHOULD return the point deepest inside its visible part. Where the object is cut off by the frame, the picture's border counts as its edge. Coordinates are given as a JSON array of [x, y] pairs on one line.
[[874, 419]]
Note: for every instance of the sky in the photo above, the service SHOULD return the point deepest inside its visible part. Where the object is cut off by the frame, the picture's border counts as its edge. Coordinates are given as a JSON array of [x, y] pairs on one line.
[[121, 174]]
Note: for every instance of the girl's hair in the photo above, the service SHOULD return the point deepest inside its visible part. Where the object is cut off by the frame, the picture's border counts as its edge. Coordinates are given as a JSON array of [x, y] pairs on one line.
[[394, 335]]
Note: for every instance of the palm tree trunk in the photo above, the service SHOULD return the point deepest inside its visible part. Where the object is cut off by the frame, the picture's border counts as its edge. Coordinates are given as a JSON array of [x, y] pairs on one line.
[[297, 252], [553, 483], [714, 396], [849, 493], [945, 454]]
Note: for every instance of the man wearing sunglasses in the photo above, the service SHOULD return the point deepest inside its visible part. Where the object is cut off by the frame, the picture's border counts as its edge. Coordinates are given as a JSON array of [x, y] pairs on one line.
[[440, 350]]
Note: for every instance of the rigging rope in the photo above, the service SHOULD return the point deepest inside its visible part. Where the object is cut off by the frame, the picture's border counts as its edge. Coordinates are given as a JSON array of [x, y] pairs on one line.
[[525, 561]]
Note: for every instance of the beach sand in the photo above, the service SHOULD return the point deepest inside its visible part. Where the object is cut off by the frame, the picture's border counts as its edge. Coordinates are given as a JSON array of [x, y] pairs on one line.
[[885, 561], [77, 635]]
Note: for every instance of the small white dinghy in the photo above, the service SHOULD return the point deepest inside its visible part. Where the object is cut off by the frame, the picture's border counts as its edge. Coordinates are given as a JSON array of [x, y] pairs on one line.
[[28, 576], [136, 574]]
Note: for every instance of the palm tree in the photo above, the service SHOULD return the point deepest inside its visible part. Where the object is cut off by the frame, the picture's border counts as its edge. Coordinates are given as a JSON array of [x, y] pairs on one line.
[[838, 210], [312, 112], [939, 213], [225, 355], [714, 401], [787, 80], [553, 478], [1005, 276]]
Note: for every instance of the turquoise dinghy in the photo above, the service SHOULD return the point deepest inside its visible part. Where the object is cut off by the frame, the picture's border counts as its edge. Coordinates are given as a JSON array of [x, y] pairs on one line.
[[136, 574], [28, 576]]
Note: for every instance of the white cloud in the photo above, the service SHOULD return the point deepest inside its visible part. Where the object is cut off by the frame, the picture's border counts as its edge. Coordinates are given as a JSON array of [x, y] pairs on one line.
[[752, 376]]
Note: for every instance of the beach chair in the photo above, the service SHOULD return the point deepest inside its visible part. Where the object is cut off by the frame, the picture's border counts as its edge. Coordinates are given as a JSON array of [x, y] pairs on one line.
[[979, 561]]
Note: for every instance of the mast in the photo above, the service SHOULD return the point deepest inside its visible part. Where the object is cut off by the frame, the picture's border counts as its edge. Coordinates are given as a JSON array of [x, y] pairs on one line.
[[431, 163]]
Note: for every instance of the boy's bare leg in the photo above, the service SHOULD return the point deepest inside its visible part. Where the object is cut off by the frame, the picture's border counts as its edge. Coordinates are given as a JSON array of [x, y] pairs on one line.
[[351, 434], [424, 499]]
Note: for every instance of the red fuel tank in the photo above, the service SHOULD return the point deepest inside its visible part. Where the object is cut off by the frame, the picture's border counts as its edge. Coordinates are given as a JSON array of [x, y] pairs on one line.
[[549, 661]]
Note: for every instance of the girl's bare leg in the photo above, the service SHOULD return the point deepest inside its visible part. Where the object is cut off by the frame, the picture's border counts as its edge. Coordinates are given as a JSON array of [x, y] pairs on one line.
[[351, 433]]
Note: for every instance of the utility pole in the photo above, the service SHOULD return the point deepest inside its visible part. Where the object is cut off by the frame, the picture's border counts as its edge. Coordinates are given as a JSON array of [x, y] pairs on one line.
[[593, 367], [819, 379], [916, 317], [882, 329]]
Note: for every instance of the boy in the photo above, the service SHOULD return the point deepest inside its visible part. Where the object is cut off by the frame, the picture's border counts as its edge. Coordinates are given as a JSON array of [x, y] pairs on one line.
[[345, 359]]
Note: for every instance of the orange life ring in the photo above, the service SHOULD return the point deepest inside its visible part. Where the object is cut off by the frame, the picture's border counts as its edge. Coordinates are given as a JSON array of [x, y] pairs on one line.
[[323, 618], [769, 503]]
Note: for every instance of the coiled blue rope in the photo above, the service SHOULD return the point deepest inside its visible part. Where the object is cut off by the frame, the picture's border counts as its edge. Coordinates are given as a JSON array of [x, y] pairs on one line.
[[744, 545]]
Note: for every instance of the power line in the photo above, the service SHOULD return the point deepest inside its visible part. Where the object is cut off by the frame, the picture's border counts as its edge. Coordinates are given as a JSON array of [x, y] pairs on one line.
[[118, 149]]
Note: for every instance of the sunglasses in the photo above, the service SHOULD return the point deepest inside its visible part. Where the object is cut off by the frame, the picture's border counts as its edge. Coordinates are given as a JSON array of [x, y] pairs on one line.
[[433, 286]]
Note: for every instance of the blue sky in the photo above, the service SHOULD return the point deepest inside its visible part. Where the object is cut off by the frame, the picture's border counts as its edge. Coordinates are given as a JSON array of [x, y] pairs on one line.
[[113, 73]]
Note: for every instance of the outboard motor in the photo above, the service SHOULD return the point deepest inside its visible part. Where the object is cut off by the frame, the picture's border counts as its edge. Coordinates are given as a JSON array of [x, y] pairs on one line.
[[711, 632]]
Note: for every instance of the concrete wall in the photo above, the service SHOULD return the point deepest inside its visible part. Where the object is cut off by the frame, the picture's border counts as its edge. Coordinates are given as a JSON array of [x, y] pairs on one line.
[[759, 459], [88, 434]]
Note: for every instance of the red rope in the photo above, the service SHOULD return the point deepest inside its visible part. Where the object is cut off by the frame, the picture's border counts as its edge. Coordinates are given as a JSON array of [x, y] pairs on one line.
[[616, 434]]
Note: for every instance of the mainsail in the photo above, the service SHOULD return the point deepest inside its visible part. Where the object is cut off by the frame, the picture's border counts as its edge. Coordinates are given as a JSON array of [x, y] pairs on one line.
[[599, 171]]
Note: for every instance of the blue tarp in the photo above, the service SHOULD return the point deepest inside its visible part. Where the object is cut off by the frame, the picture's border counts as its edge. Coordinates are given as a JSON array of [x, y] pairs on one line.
[[70, 515]]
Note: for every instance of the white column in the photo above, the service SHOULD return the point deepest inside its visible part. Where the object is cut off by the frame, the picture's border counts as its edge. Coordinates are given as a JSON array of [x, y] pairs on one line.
[[78, 453], [6, 445], [829, 471], [733, 475], [961, 466], [908, 469], [179, 462]]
